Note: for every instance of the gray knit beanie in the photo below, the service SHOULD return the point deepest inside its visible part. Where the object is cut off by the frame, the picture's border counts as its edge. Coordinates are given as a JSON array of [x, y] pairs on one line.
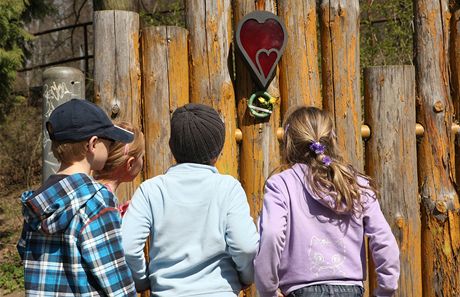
[[197, 134]]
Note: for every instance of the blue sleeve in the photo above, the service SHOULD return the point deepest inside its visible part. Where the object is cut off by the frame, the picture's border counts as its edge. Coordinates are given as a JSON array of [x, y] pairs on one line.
[[102, 252], [136, 226], [241, 235], [21, 246]]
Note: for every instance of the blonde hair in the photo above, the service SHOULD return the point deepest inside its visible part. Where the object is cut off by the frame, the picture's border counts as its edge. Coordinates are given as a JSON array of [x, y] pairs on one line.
[[330, 175], [69, 152], [119, 152]]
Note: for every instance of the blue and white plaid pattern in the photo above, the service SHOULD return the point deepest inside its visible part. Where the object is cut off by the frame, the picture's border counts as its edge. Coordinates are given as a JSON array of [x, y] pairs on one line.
[[71, 241]]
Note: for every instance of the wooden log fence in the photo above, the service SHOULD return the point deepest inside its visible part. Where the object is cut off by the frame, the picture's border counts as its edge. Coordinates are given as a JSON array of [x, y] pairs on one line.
[[258, 146], [391, 159], [454, 61], [117, 75], [210, 34], [339, 23], [439, 199], [299, 73], [199, 64], [165, 87]]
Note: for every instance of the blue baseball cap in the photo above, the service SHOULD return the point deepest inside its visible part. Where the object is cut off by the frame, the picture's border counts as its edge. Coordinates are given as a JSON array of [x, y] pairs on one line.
[[78, 120]]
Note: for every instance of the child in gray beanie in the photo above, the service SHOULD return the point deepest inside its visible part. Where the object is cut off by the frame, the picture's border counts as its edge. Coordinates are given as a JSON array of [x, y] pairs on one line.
[[202, 237]]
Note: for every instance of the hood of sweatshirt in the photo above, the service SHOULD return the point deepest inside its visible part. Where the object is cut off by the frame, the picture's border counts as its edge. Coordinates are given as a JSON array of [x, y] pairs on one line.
[[52, 210]]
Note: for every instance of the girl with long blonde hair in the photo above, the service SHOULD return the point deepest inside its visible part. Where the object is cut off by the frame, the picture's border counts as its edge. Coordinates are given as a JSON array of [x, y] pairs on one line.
[[315, 216], [124, 163]]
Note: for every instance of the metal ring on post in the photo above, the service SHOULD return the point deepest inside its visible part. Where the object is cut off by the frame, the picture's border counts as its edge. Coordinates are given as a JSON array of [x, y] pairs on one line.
[[257, 111]]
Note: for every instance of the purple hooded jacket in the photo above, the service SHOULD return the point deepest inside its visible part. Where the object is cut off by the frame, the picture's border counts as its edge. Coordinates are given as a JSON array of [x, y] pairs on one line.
[[304, 241]]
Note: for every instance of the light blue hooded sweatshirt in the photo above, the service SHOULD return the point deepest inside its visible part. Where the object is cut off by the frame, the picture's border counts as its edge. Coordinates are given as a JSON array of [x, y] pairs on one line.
[[202, 237]]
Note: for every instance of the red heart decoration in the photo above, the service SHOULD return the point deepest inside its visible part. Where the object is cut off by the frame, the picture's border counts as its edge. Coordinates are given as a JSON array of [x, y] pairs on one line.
[[266, 60], [261, 38]]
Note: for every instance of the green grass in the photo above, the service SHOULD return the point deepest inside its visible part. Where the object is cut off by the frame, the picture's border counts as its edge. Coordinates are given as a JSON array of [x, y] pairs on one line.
[[11, 274]]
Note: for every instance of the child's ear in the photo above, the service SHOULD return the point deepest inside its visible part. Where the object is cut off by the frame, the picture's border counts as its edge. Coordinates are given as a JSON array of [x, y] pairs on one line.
[[130, 163], [92, 143]]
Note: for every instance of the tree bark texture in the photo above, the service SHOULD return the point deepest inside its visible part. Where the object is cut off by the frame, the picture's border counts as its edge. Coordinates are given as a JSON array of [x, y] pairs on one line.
[[454, 62], [210, 27], [440, 202], [165, 86], [117, 77], [259, 150], [391, 160], [299, 73], [341, 75]]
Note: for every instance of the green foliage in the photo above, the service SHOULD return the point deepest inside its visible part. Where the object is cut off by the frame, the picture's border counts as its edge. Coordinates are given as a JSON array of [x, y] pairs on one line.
[[11, 274], [386, 32], [174, 16], [13, 14]]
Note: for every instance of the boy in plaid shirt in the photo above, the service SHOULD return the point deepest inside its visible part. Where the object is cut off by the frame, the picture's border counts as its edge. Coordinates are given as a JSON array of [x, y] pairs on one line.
[[71, 244]]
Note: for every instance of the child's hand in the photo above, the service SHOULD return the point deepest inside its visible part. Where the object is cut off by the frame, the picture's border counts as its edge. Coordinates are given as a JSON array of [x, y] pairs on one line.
[[279, 294]]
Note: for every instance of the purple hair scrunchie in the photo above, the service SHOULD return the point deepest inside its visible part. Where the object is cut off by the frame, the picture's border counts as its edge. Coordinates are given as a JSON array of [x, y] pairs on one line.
[[319, 149]]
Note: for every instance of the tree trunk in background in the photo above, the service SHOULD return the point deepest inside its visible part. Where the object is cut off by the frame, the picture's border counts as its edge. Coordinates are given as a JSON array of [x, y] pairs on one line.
[[210, 26], [117, 72], [440, 202], [129, 5], [391, 160], [341, 74], [259, 154], [299, 73]]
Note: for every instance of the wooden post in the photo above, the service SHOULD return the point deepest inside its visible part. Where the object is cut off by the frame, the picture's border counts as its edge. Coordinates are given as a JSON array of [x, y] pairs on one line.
[[341, 74], [117, 71], [440, 202], [165, 87], [454, 60], [299, 73], [391, 160], [130, 5], [259, 154], [259, 147], [210, 27]]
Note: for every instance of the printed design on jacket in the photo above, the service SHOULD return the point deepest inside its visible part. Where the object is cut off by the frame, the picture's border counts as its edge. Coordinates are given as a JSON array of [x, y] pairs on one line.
[[326, 256]]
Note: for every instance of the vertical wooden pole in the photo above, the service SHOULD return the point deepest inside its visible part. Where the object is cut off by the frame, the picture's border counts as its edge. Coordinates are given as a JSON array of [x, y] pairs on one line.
[[259, 147], [117, 71], [454, 63], [341, 73], [259, 154], [165, 87], [299, 73], [440, 202], [391, 160], [210, 27]]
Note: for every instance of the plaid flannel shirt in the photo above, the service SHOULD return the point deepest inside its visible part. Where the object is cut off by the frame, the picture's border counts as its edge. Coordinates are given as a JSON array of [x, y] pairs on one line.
[[71, 241]]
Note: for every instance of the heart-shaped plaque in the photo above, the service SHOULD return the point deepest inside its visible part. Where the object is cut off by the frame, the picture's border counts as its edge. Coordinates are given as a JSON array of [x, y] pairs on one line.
[[261, 38]]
